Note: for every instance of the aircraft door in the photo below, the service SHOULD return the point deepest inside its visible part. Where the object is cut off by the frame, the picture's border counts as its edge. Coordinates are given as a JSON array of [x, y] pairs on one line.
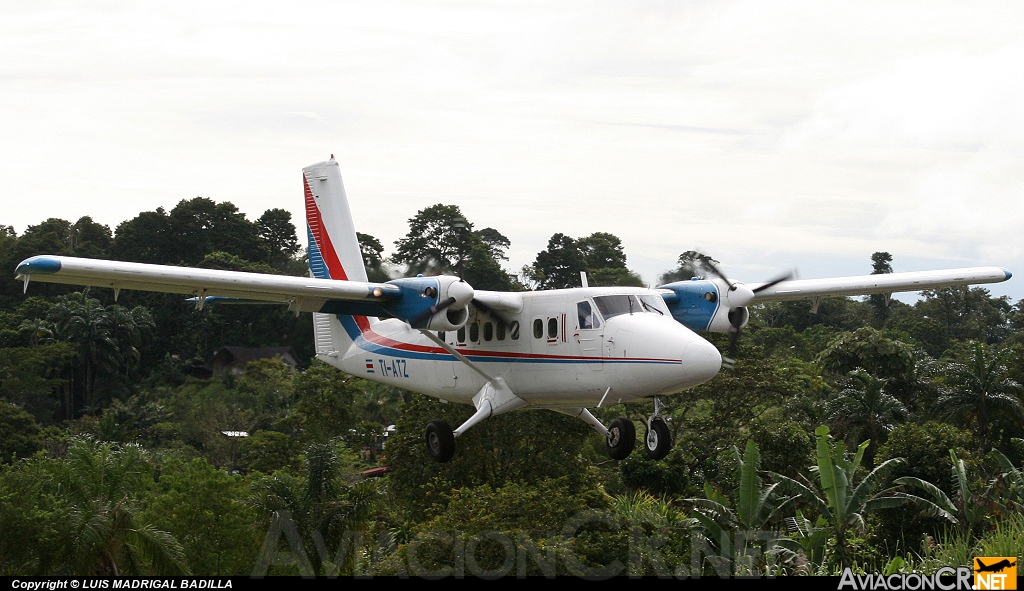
[[588, 335]]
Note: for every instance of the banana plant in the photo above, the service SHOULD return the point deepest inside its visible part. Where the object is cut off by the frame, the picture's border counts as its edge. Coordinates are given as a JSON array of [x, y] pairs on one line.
[[836, 497], [964, 510], [1012, 479], [735, 531]]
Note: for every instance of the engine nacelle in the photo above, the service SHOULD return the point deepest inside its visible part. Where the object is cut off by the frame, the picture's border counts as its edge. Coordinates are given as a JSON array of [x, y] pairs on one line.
[[708, 304], [433, 303]]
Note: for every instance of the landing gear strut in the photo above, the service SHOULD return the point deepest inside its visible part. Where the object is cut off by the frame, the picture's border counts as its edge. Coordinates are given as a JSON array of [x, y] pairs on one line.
[[658, 441]]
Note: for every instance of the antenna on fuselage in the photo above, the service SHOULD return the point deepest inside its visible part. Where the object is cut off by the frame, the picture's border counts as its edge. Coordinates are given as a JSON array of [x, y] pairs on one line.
[[583, 279]]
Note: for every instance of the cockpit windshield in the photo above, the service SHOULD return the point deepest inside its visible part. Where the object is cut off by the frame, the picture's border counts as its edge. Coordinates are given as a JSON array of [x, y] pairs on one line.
[[614, 305]]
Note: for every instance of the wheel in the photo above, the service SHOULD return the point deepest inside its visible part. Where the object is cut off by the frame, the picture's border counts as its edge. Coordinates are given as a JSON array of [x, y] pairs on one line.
[[440, 441], [658, 441], [621, 438]]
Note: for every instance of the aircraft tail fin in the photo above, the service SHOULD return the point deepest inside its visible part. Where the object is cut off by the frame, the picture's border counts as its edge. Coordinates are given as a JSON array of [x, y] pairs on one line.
[[334, 253]]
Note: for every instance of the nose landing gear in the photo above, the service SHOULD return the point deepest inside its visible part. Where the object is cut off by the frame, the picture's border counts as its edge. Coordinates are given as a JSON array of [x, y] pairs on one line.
[[658, 441]]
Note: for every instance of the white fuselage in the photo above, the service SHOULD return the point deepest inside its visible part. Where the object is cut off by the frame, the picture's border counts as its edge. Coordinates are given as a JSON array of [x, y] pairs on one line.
[[560, 348]]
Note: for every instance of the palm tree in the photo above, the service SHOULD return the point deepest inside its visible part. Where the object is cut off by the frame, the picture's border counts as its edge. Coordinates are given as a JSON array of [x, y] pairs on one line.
[[107, 337], [842, 503], [981, 393], [83, 321], [321, 506], [864, 410], [38, 331], [100, 484]]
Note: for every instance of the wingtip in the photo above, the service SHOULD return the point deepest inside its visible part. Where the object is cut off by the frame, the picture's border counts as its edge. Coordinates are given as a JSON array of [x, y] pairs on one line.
[[38, 264], [1007, 273]]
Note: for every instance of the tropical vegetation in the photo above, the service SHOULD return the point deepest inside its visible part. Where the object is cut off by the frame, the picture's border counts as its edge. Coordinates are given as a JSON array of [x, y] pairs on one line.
[[868, 434]]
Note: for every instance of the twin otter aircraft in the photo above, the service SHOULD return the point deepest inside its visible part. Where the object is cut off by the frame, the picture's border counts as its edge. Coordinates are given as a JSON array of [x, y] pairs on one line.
[[563, 350]]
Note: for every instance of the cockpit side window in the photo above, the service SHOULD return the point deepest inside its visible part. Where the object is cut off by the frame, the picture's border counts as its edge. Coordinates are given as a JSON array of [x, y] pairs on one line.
[[653, 303], [586, 316], [614, 305]]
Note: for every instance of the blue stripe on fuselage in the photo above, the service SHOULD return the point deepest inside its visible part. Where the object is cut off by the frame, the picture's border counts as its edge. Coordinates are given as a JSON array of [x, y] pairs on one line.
[[376, 348]]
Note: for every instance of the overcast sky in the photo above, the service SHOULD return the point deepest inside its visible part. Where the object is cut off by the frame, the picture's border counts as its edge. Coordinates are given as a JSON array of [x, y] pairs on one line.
[[771, 135]]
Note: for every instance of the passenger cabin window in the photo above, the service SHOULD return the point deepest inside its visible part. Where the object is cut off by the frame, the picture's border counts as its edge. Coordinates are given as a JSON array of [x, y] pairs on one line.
[[538, 328], [552, 328], [461, 335], [474, 332], [488, 331], [501, 331], [513, 330]]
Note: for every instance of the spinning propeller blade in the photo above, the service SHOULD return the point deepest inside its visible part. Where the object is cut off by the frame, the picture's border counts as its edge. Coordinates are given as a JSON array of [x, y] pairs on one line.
[[737, 314], [433, 310]]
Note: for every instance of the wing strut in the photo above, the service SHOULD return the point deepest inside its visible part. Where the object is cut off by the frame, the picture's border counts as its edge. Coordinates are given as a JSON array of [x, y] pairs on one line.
[[494, 398]]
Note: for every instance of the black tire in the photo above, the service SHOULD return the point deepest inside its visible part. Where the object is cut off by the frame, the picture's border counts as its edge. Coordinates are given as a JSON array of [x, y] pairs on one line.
[[658, 441], [440, 441], [621, 438]]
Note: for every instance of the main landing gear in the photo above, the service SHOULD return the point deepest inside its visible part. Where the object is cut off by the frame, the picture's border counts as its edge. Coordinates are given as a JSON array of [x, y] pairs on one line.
[[620, 434], [440, 441], [621, 438]]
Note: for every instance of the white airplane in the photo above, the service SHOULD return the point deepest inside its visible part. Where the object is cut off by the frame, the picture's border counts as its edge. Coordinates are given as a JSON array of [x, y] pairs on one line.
[[566, 350]]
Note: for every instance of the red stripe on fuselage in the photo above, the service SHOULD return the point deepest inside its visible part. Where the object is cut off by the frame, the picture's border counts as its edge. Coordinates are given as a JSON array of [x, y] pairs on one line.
[[323, 242], [379, 339]]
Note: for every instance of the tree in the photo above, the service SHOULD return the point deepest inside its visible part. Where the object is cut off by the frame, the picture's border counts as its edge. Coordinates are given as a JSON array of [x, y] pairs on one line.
[[207, 226], [966, 509], [105, 534], [205, 509], [437, 242], [980, 394], [880, 264], [146, 238], [107, 337], [19, 433], [690, 264], [321, 505], [373, 257], [864, 410], [600, 255], [558, 266], [323, 408], [442, 241], [512, 447], [276, 230], [32, 378], [925, 448], [883, 357], [944, 316]]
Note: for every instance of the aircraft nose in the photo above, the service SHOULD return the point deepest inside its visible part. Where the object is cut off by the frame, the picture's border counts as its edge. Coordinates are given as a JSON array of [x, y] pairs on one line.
[[701, 361]]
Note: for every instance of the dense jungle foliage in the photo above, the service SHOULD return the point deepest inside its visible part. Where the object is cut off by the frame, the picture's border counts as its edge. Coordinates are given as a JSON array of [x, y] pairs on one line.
[[870, 434]]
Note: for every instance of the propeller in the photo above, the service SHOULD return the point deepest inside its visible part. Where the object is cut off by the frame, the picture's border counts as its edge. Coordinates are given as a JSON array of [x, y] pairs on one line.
[[433, 310], [739, 297], [486, 309]]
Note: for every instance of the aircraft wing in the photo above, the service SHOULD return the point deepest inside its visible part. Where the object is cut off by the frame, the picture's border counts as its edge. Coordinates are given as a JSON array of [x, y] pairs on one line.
[[302, 294], [797, 289]]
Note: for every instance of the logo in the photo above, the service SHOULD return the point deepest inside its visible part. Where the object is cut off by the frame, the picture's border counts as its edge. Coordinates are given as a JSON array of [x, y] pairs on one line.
[[995, 572]]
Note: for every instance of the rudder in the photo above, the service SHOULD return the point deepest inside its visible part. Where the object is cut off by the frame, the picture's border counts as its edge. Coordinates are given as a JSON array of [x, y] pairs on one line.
[[333, 253]]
